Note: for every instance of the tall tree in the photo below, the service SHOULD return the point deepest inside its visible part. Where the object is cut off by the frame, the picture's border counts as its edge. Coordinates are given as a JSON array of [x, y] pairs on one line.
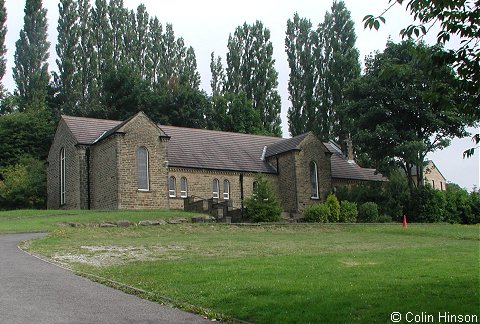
[[155, 52], [337, 65], [141, 40], [300, 44], [250, 69], [460, 18], [407, 105], [31, 68], [68, 36], [218, 75], [3, 49]]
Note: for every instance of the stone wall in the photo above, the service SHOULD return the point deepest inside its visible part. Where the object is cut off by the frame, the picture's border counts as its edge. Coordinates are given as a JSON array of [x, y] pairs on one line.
[[104, 174], [433, 177], [63, 139], [312, 149], [199, 184], [137, 132], [286, 183]]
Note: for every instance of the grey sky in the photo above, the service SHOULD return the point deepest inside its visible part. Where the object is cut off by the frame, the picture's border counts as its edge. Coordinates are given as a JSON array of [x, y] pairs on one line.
[[206, 25]]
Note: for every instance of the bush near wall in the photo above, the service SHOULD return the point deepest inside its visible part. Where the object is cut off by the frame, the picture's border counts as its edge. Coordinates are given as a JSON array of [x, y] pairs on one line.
[[368, 213], [348, 212]]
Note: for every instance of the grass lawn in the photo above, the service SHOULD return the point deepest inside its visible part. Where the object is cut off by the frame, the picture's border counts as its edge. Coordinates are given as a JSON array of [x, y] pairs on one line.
[[287, 274], [23, 221]]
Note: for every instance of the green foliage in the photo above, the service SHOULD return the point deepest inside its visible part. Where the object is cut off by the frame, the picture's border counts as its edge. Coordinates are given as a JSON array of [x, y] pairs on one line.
[[250, 70], [317, 213], [322, 62], [348, 212], [457, 207], [338, 66], [409, 103], [368, 213], [328, 212], [23, 185], [263, 206], [427, 205], [31, 68], [233, 113], [460, 18], [27, 133], [334, 207], [300, 43], [66, 48]]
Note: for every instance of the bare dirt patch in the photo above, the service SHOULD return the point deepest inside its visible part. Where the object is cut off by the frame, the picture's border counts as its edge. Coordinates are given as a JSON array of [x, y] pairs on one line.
[[102, 256]]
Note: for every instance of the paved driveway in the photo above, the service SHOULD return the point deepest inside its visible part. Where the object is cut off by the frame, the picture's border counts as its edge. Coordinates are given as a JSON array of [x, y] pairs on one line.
[[33, 291]]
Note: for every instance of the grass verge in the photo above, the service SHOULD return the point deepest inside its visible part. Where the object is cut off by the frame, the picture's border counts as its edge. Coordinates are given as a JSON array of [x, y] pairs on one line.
[[278, 274], [23, 221]]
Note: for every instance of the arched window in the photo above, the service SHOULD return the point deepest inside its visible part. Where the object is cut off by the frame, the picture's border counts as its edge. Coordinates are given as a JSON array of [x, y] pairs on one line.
[[62, 176], [226, 189], [172, 187], [314, 180], [142, 169], [183, 187], [215, 186]]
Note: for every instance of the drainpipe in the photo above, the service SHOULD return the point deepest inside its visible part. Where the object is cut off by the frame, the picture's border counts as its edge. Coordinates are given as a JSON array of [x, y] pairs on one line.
[[88, 177], [241, 193]]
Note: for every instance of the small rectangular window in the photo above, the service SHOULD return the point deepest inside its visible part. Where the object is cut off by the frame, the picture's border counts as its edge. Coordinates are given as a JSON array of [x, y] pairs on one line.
[[183, 187], [226, 190], [172, 192], [215, 190]]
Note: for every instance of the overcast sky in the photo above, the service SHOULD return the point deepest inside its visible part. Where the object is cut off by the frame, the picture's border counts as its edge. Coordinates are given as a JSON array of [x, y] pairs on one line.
[[206, 25]]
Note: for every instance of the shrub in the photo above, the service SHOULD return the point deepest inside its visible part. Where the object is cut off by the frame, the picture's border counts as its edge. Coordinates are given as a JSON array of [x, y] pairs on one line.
[[318, 213], [23, 185], [385, 219], [348, 212], [263, 206], [334, 207], [368, 212]]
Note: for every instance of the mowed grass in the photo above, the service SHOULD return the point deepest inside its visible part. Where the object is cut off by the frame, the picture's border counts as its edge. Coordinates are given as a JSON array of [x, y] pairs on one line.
[[23, 221], [291, 273]]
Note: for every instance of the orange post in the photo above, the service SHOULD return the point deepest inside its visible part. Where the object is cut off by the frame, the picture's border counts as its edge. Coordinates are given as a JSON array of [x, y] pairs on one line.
[[404, 220]]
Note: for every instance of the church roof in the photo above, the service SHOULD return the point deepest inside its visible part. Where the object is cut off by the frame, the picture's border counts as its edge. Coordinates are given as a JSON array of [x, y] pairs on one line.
[[207, 149], [217, 150], [88, 130], [342, 168]]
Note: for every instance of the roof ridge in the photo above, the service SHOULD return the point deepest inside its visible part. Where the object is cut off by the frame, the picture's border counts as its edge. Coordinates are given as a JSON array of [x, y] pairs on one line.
[[82, 117], [224, 132]]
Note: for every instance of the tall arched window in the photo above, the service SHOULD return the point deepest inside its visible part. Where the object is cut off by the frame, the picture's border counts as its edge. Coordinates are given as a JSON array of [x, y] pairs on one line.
[[226, 189], [314, 180], [62, 177], [183, 187], [142, 169], [215, 186]]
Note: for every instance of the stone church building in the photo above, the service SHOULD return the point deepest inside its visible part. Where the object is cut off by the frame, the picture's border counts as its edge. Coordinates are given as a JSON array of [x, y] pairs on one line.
[[137, 164]]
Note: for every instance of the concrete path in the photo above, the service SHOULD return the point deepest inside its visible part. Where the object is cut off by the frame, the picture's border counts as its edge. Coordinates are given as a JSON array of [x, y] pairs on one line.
[[33, 291]]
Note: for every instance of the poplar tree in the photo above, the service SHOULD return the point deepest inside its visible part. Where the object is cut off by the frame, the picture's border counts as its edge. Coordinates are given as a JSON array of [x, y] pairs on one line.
[[68, 37], [218, 75], [31, 68], [337, 65], [300, 44], [250, 69], [3, 49]]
